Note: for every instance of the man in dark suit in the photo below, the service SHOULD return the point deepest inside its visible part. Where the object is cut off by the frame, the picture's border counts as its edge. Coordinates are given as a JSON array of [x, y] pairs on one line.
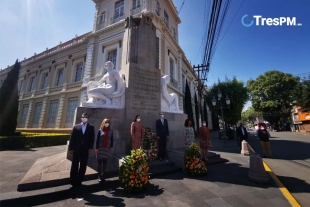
[[81, 144], [162, 131], [242, 134]]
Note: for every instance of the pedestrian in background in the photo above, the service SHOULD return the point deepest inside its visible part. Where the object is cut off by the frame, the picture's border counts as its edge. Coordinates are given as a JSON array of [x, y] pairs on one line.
[[137, 133], [162, 131], [80, 145], [205, 142], [104, 148], [264, 136], [188, 133], [242, 134]]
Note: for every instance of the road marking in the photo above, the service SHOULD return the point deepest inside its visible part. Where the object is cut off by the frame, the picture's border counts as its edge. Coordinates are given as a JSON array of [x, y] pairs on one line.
[[282, 188]]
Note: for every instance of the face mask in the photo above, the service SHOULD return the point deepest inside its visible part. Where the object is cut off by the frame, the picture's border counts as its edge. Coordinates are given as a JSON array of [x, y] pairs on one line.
[[162, 116], [138, 120], [204, 124], [107, 125], [84, 120]]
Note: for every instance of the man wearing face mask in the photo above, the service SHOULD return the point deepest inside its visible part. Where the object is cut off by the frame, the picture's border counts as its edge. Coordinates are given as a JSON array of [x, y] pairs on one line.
[[81, 144], [162, 131]]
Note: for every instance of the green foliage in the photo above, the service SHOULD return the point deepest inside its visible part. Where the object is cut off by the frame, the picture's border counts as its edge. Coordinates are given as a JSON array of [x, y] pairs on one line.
[[250, 115], [188, 103], [301, 94], [9, 102], [133, 172], [271, 93], [236, 92], [31, 140]]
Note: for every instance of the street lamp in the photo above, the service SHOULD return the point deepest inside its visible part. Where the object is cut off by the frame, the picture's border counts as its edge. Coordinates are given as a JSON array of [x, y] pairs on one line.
[[227, 100]]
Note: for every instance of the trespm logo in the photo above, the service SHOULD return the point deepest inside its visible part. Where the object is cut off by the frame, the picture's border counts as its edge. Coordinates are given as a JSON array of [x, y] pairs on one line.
[[260, 21]]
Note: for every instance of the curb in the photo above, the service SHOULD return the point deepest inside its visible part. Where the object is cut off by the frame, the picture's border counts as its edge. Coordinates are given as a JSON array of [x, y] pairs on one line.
[[282, 188]]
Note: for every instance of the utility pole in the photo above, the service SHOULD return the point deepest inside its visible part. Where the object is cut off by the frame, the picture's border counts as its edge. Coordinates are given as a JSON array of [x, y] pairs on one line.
[[202, 71]]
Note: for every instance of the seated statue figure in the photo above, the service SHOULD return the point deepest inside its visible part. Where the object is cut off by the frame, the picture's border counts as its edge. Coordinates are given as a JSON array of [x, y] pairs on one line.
[[111, 85], [169, 102]]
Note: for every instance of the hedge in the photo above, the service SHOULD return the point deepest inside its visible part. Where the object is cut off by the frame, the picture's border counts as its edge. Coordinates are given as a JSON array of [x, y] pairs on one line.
[[32, 140]]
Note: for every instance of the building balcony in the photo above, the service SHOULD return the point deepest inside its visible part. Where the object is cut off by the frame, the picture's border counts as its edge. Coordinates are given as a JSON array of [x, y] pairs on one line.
[[101, 25], [174, 83], [117, 18], [135, 10]]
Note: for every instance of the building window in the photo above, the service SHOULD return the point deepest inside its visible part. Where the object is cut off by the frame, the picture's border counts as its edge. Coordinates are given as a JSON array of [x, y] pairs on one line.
[[44, 80], [174, 33], [166, 19], [183, 83], [21, 87], [51, 120], [31, 84], [171, 68], [135, 4], [112, 57], [102, 18], [36, 116], [24, 116], [78, 73], [60, 77], [158, 8], [72, 104], [119, 9]]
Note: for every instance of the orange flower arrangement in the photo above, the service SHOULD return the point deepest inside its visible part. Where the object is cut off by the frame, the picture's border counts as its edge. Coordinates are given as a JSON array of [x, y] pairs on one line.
[[134, 171], [193, 162]]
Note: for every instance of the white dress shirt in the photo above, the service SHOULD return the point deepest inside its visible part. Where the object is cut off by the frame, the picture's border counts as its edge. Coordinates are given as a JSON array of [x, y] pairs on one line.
[[84, 127], [242, 131]]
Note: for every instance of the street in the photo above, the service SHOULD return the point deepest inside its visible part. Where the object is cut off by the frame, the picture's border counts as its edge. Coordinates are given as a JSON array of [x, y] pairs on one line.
[[291, 162]]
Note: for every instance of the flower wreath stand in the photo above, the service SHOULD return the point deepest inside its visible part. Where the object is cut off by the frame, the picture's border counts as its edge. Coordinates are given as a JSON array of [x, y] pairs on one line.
[[194, 164], [149, 144], [133, 173]]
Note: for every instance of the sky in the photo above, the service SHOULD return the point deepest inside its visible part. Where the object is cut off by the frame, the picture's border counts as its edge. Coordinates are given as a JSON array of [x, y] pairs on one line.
[[30, 26]]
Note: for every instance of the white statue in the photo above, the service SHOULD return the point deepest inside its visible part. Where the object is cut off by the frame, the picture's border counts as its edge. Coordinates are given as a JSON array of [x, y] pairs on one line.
[[107, 92], [169, 102]]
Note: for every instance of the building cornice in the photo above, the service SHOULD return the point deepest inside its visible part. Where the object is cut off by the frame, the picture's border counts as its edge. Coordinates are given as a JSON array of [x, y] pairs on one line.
[[109, 28]]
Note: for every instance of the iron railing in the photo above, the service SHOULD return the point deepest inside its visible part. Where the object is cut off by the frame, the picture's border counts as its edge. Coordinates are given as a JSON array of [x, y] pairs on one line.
[[117, 18], [174, 83], [101, 25]]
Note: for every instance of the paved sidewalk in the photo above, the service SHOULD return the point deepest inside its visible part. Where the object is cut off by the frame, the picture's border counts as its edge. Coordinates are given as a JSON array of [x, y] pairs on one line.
[[225, 185]]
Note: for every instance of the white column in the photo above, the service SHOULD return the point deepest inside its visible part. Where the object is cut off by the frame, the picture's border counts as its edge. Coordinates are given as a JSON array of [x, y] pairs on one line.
[[99, 63], [95, 18], [60, 111], [83, 97], [43, 110], [29, 114], [158, 34], [89, 62]]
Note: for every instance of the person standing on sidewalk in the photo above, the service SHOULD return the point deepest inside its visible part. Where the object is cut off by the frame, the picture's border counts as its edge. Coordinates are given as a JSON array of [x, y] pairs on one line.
[[162, 131], [104, 148], [242, 134], [205, 142], [80, 145], [188, 133], [137, 133], [264, 136]]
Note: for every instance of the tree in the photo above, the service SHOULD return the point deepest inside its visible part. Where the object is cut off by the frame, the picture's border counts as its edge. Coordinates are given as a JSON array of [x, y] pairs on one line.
[[197, 113], [301, 94], [271, 93], [250, 115], [188, 104], [236, 91], [9, 102]]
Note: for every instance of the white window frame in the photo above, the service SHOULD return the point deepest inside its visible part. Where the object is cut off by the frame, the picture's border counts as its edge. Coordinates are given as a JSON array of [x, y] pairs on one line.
[[21, 87], [119, 11], [171, 72], [76, 70], [103, 17], [35, 125], [157, 8], [166, 18], [70, 122], [108, 58], [52, 124], [44, 84], [23, 116], [57, 76], [31, 85], [136, 4]]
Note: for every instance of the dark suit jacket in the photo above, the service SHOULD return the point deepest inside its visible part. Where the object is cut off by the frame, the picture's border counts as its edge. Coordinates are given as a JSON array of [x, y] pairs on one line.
[[240, 134], [78, 139], [162, 130]]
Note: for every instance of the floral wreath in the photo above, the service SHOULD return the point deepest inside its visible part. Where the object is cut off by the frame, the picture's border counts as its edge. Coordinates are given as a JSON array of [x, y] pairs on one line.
[[193, 162]]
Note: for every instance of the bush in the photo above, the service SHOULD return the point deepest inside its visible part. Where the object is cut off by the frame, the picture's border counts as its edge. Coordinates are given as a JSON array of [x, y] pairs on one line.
[[149, 144], [31, 140], [193, 163], [133, 173]]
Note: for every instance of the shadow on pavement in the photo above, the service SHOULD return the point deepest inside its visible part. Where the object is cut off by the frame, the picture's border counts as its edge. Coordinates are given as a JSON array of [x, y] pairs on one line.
[[85, 192], [295, 185]]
